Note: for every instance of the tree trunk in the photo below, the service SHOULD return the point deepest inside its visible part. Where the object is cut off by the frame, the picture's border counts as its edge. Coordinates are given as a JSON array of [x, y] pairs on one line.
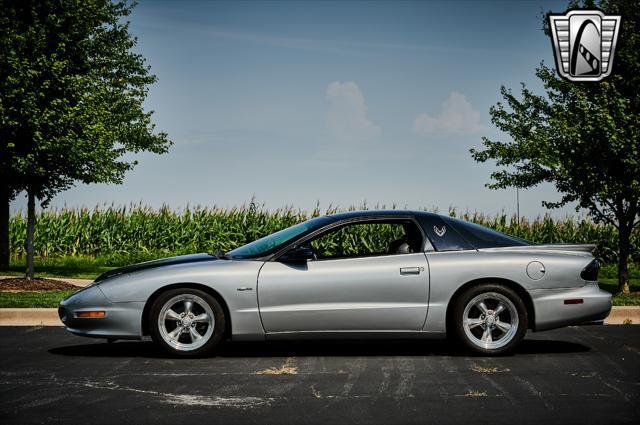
[[5, 201], [624, 248], [31, 224]]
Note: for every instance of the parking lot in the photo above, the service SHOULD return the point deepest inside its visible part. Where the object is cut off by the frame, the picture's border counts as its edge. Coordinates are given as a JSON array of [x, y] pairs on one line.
[[574, 375]]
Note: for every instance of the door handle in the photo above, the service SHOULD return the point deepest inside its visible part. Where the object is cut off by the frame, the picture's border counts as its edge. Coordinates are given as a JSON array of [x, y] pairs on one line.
[[411, 270]]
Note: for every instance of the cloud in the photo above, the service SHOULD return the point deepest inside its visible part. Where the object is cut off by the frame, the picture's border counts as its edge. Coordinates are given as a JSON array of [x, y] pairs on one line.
[[347, 117], [456, 116]]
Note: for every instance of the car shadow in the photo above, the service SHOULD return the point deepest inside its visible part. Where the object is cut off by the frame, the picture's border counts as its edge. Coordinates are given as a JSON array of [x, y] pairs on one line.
[[315, 348]]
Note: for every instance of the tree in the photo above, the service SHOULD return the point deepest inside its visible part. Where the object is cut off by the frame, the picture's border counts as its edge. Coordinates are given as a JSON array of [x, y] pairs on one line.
[[582, 137], [72, 94], [7, 193]]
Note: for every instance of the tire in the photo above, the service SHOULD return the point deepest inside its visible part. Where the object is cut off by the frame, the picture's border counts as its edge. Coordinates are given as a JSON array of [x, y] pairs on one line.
[[186, 322], [479, 329]]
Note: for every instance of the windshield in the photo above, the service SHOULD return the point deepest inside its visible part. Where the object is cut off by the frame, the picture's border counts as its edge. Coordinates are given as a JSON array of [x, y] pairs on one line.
[[271, 243]]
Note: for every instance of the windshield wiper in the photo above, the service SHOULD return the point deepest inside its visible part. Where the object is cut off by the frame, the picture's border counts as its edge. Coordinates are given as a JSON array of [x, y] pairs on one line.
[[223, 255]]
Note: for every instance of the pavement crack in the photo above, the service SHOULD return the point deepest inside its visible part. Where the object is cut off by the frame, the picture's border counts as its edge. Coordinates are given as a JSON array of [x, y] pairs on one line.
[[188, 399], [484, 369], [287, 368]]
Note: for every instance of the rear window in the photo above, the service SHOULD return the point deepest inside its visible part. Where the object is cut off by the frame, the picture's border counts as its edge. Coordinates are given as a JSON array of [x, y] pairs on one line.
[[442, 235], [483, 237]]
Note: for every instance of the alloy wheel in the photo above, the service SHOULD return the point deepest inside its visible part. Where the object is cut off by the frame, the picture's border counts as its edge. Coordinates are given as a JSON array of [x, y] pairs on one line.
[[490, 320], [186, 322]]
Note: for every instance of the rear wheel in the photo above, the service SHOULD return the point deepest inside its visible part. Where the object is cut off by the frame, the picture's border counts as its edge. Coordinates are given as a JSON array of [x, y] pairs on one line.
[[490, 319], [186, 322]]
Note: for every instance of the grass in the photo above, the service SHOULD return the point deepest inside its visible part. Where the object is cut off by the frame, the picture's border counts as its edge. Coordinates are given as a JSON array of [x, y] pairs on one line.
[[45, 299], [611, 285], [65, 267]]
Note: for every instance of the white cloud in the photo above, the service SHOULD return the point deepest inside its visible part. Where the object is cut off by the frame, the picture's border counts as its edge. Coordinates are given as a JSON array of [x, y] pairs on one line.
[[456, 116], [347, 117]]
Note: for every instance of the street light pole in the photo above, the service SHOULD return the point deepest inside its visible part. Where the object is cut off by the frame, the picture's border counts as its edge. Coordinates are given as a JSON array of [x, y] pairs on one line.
[[518, 210]]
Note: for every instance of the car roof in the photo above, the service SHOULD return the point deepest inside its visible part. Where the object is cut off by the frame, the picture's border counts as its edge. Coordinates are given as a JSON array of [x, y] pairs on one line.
[[380, 213]]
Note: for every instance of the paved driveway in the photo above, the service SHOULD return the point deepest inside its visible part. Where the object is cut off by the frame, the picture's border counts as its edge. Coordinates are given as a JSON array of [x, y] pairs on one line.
[[575, 375]]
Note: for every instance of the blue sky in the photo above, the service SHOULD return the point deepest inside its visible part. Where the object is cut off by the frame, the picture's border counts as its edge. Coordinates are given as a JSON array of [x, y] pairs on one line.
[[300, 102]]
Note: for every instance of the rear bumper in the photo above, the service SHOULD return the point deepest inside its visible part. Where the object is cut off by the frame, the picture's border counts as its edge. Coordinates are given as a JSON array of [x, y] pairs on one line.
[[121, 320], [551, 311]]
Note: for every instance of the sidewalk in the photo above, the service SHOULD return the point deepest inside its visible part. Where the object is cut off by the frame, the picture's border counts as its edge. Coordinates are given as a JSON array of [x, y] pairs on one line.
[[49, 316]]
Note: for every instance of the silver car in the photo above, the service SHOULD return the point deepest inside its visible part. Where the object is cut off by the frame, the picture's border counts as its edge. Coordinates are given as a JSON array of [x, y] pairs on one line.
[[364, 274]]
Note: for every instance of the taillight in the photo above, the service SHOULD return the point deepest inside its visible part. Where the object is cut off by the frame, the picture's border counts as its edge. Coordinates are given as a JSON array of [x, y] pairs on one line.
[[574, 301], [591, 271]]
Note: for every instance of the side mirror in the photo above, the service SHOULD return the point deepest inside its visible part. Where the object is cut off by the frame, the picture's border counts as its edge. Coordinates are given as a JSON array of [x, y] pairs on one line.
[[298, 254]]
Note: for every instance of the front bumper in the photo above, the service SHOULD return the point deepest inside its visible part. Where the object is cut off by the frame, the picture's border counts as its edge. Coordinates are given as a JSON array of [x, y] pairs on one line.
[[551, 311], [121, 320]]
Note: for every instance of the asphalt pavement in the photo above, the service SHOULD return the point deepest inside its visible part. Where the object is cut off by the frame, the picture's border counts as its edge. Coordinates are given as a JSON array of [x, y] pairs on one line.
[[585, 375]]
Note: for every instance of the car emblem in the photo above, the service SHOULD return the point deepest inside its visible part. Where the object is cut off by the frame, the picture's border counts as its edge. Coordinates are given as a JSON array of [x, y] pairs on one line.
[[584, 42], [440, 232]]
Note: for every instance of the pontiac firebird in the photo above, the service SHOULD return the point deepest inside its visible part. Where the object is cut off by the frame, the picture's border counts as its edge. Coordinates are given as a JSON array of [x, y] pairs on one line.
[[438, 276]]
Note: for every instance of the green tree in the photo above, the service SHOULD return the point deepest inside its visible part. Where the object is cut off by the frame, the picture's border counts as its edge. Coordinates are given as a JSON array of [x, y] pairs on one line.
[[582, 137], [72, 100]]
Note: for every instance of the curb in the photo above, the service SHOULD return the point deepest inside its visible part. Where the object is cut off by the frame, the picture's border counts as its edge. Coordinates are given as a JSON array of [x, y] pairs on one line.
[[29, 317], [620, 315], [49, 316]]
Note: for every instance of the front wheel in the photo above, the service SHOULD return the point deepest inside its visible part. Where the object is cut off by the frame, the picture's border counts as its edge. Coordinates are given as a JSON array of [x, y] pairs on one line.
[[490, 319], [186, 322]]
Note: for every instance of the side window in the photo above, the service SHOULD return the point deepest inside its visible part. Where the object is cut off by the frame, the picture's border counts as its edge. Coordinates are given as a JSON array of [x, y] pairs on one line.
[[368, 239]]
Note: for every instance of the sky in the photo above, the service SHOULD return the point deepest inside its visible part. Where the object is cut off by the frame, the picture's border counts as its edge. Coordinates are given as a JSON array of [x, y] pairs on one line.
[[337, 103]]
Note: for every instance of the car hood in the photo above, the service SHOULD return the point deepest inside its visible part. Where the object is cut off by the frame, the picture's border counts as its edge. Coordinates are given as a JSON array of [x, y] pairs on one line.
[[181, 259]]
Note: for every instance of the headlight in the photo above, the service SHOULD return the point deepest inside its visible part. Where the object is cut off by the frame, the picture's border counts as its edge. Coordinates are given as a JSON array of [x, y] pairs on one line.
[[78, 292]]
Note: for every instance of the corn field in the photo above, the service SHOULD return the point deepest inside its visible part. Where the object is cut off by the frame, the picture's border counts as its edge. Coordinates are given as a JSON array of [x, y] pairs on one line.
[[121, 235]]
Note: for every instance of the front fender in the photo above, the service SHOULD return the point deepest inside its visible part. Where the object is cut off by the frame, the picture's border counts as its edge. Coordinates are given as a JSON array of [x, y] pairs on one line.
[[120, 320], [224, 277]]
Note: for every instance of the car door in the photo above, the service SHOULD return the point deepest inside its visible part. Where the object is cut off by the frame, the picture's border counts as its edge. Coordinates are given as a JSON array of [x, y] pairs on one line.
[[379, 293]]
